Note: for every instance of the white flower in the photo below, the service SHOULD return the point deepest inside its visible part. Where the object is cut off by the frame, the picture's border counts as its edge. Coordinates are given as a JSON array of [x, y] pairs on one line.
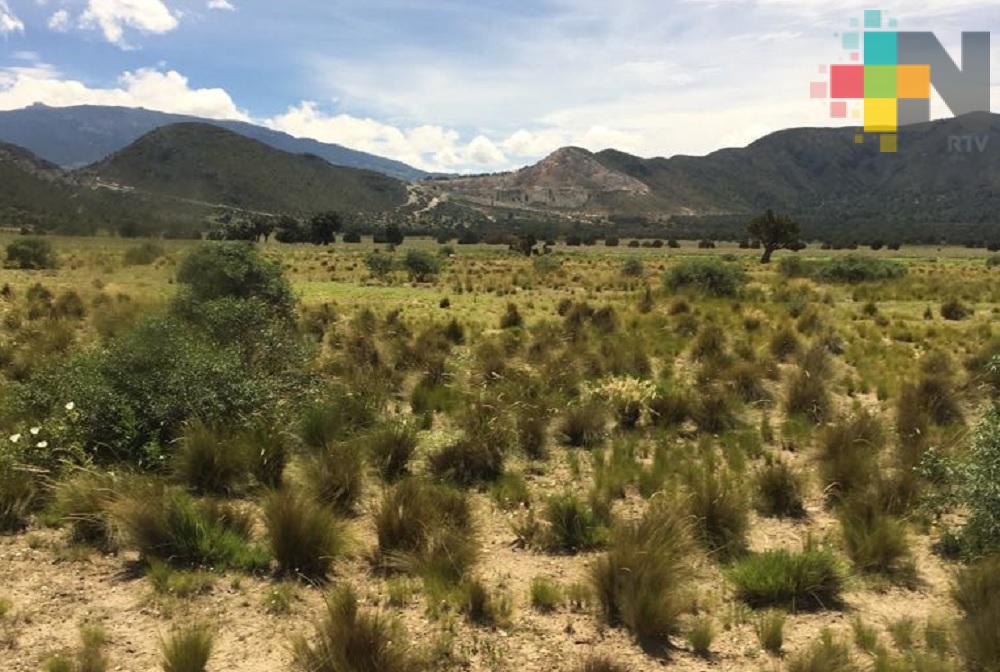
[[34, 430], [42, 444], [14, 438], [70, 406]]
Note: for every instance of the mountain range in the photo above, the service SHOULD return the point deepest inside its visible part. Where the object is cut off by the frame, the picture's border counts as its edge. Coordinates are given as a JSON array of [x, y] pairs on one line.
[[77, 136], [180, 176]]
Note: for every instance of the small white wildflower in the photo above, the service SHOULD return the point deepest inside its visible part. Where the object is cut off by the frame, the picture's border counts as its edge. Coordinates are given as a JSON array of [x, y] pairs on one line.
[[34, 430], [14, 438], [42, 444], [70, 406]]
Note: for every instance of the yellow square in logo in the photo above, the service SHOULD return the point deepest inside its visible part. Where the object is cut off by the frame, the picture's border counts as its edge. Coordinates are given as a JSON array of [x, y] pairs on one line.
[[887, 144], [880, 115], [859, 139]]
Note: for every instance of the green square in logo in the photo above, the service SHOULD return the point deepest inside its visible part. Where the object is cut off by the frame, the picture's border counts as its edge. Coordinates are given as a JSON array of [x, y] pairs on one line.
[[880, 81]]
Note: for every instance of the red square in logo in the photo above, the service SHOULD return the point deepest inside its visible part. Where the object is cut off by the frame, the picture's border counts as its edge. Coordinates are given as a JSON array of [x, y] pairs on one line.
[[847, 81]]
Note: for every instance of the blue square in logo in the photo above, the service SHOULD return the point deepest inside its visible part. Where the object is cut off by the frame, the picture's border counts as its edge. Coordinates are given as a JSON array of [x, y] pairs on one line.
[[880, 48], [873, 18], [851, 41]]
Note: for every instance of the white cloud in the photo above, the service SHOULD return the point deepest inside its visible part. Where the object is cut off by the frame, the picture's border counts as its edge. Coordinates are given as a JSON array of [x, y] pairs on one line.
[[428, 147], [166, 91], [221, 4], [60, 21], [9, 23], [113, 16]]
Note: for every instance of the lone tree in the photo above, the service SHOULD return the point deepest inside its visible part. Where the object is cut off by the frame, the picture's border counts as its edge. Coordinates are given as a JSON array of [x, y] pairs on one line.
[[323, 228], [775, 232]]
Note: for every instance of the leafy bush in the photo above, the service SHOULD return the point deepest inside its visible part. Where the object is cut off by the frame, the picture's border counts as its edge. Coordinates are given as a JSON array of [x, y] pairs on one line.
[[234, 270], [955, 310], [572, 525], [421, 265], [334, 475], [427, 529], [379, 264], [188, 649], [977, 593], [390, 449], [781, 578], [854, 268], [633, 268], [643, 579], [168, 525], [305, 538], [351, 640], [31, 254], [980, 487], [710, 276]]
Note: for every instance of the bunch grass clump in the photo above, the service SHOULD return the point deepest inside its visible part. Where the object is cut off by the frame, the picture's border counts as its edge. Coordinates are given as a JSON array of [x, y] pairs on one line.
[[348, 639], [642, 582], [976, 591], [780, 490], [809, 579], [188, 649], [573, 525], [334, 475], [390, 449], [304, 536]]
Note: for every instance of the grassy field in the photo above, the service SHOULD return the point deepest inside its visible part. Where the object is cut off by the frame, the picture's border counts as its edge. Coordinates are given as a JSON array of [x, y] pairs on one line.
[[595, 459]]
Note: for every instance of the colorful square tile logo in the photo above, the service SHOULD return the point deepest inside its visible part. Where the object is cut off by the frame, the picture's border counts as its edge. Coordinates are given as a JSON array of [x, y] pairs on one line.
[[888, 76]]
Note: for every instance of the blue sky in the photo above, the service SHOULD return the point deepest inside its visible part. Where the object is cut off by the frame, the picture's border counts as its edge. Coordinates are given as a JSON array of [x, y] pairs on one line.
[[460, 86]]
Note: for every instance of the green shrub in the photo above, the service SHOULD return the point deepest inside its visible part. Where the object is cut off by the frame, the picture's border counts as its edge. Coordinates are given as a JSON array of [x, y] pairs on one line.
[[143, 254], [848, 453], [208, 462], [304, 537], [642, 582], [853, 268], [512, 318], [426, 529], [825, 655], [217, 271], [780, 490], [31, 254], [546, 594], [422, 266], [167, 524], [770, 629], [390, 448], [633, 268], [188, 649], [713, 410], [780, 578], [708, 275], [351, 640], [718, 504], [977, 594], [334, 475], [955, 310], [572, 525], [980, 487], [993, 261]]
